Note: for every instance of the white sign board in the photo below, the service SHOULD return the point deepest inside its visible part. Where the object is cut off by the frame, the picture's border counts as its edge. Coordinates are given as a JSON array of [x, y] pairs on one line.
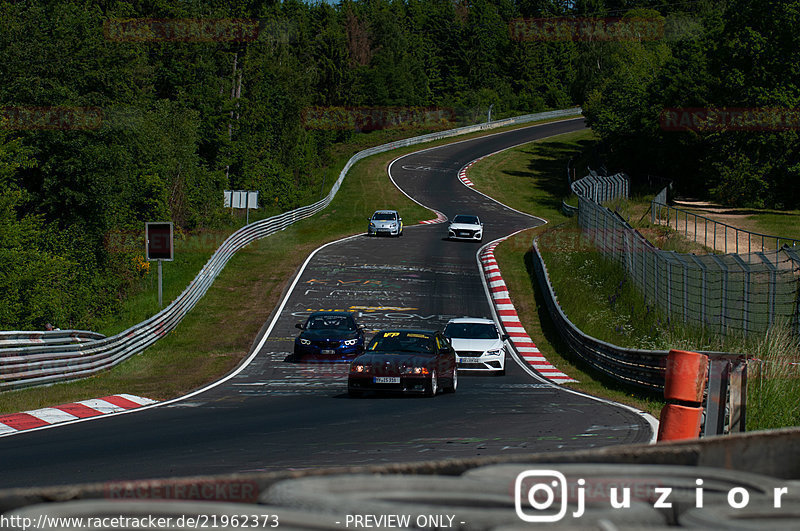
[[241, 199]]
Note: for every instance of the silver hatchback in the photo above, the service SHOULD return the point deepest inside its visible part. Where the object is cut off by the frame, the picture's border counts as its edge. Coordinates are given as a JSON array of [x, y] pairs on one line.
[[387, 222]]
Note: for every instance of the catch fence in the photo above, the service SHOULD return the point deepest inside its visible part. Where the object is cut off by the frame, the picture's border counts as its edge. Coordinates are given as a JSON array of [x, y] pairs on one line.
[[747, 292]]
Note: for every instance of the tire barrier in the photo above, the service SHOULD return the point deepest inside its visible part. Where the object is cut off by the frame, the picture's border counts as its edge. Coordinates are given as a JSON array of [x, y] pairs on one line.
[[685, 383], [26, 366], [685, 376], [507, 496], [679, 422], [756, 465]]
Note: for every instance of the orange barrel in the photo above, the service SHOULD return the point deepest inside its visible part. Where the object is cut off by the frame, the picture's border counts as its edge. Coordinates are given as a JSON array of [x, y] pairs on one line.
[[686, 376], [679, 422]]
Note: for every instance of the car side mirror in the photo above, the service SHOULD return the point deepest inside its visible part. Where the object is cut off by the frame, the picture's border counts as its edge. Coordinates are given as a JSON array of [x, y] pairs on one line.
[[505, 337], [299, 325]]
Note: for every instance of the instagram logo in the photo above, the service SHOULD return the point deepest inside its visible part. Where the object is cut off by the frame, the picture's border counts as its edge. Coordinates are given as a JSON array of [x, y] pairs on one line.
[[538, 491]]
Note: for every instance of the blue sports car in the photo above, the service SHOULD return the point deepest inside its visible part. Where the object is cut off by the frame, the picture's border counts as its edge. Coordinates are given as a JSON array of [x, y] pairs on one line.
[[329, 336]]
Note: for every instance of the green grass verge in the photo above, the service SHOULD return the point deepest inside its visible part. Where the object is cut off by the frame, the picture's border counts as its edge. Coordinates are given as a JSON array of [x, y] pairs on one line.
[[779, 223], [532, 178], [218, 333], [597, 296]]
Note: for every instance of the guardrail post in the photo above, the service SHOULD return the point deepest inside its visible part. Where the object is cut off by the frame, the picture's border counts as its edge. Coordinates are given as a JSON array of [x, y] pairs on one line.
[[738, 398], [723, 318], [746, 295], [716, 401]]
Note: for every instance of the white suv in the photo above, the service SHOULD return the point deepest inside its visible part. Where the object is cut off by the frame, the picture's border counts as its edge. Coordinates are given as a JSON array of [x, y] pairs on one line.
[[465, 227], [478, 344]]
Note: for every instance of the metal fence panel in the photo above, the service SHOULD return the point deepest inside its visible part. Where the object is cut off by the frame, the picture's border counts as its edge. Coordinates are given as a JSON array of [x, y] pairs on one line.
[[746, 291]]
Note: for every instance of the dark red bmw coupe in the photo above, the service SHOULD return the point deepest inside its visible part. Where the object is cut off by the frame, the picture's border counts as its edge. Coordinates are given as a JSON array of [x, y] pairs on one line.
[[414, 361]]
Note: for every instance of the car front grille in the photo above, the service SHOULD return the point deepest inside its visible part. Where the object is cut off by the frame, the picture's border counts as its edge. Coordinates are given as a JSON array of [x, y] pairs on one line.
[[471, 366], [325, 344]]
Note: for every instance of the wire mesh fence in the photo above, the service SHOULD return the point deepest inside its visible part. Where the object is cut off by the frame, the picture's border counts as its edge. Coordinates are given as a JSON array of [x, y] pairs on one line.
[[715, 234], [744, 292]]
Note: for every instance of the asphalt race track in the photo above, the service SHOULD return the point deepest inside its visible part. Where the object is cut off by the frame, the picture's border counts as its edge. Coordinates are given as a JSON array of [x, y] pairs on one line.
[[276, 414]]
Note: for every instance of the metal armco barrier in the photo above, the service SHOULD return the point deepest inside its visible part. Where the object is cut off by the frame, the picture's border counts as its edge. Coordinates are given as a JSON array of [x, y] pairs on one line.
[[636, 367], [640, 368], [53, 337], [25, 366]]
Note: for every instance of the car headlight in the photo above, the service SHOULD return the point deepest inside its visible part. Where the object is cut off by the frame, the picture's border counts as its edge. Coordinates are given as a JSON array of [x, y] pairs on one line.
[[423, 371], [350, 342], [304, 341], [359, 368]]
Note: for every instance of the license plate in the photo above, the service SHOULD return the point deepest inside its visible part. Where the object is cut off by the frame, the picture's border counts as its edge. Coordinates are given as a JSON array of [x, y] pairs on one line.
[[329, 352], [469, 360], [387, 379]]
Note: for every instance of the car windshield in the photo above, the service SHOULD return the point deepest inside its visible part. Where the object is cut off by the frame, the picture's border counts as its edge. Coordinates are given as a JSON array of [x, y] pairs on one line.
[[471, 331], [468, 220], [402, 342], [331, 322], [383, 216]]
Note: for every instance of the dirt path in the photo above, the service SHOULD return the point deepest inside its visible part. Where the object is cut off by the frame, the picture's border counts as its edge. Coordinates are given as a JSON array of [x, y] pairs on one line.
[[712, 235]]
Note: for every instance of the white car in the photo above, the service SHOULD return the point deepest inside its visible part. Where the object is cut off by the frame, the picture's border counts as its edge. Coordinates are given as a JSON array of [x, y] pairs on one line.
[[465, 227], [478, 343], [386, 222]]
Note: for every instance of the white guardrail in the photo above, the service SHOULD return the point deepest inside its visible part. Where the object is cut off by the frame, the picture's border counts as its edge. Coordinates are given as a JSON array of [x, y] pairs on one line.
[[37, 358]]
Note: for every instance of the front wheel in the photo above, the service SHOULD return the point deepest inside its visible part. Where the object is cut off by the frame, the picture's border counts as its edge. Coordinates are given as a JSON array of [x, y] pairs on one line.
[[432, 386], [453, 383]]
